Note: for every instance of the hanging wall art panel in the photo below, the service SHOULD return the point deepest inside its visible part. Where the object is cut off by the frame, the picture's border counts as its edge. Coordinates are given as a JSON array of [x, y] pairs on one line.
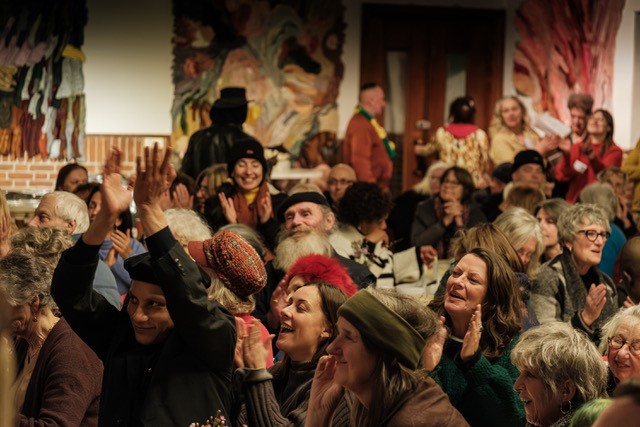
[[288, 55]]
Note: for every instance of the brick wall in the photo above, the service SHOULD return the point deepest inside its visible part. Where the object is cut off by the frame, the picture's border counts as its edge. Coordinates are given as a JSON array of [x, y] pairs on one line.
[[40, 175]]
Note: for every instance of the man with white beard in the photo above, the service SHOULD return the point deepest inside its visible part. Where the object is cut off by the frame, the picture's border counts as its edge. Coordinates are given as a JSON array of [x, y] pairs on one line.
[[306, 220]]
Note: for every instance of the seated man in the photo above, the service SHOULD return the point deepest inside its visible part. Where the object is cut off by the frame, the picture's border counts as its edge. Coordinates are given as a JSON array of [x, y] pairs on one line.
[[168, 357], [69, 212]]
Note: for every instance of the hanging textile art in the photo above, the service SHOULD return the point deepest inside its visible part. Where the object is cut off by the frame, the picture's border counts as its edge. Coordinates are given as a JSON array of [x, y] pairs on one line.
[[565, 47], [287, 54], [42, 105]]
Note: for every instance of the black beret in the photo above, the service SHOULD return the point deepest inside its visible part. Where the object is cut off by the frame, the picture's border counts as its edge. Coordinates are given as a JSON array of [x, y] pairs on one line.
[[294, 199], [140, 268]]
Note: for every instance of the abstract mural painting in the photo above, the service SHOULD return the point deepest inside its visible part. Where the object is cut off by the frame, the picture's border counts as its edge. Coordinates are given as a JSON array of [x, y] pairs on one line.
[[288, 55], [565, 47]]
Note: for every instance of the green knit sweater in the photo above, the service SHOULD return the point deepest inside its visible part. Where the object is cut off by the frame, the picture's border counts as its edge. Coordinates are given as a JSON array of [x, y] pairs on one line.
[[481, 389]]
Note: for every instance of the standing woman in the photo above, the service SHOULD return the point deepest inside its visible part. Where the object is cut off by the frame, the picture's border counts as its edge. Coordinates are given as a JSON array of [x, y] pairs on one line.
[[461, 143], [584, 160], [510, 132], [482, 308], [375, 360], [249, 199], [571, 288], [437, 219], [547, 213]]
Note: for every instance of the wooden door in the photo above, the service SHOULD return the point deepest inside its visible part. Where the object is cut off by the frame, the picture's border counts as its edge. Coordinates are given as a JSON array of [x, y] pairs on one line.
[[445, 53]]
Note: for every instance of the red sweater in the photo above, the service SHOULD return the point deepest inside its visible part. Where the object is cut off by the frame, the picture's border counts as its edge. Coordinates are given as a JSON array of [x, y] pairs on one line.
[[565, 169]]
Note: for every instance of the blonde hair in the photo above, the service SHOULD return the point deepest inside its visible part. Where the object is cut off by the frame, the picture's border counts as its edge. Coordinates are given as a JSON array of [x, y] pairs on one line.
[[556, 352], [46, 244], [219, 293], [497, 123], [7, 367], [424, 186], [519, 226]]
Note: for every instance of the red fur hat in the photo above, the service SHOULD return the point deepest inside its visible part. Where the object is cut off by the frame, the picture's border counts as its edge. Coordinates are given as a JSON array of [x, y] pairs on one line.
[[322, 268]]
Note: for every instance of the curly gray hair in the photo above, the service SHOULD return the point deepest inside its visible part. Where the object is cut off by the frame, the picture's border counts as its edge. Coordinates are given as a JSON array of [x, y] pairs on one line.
[[187, 226], [580, 214], [556, 352], [23, 277]]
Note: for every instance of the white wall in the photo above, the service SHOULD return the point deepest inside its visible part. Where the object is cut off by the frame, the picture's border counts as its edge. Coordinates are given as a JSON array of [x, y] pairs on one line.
[[129, 57], [128, 83]]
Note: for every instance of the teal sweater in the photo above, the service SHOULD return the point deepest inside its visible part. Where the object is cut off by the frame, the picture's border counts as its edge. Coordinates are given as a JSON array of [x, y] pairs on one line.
[[481, 389]]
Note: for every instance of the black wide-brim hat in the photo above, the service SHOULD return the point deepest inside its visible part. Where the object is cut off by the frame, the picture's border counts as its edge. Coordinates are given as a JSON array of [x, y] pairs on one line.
[[231, 97]]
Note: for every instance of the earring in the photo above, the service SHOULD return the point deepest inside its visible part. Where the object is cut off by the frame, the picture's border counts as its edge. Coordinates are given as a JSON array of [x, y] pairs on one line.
[[566, 411]]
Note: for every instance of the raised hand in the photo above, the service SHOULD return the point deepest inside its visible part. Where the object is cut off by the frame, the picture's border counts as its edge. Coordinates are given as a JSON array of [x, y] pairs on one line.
[[265, 209], [238, 355], [122, 243], [154, 177], [325, 394], [181, 197], [471, 341], [228, 209], [432, 352], [255, 351], [594, 303]]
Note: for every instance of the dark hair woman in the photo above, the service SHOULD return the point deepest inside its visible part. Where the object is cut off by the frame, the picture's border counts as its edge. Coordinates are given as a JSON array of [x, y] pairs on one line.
[[281, 394], [71, 176], [362, 236], [482, 307], [437, 219], [585, 159], [461, 142]]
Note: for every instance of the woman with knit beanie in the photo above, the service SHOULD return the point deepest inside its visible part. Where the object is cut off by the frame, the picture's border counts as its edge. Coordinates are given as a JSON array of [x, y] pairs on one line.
[[248, 198], [373, 362]]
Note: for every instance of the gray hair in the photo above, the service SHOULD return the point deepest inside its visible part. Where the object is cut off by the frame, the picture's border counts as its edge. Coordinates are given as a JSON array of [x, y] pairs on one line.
[[187, 226], [519, 226], [424, 186], [553, 207], [70, 207], [46, 244], [601, 194], [219, 293], [611, 327], [556, 352], [250, 235], [578, 215], [23, 276]]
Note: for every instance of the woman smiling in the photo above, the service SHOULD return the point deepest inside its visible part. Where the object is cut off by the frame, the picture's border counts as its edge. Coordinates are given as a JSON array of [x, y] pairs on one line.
[[279, 395], [570, 287], [482, 308]]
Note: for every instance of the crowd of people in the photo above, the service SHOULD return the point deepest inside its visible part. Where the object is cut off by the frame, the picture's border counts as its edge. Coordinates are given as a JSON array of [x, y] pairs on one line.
[[234, 303]]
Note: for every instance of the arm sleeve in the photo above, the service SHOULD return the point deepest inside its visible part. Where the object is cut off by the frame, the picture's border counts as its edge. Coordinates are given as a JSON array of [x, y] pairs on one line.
[[564, 169], [631, 164], [261, 406], [613, 157], [87, 312], [199, 321], [73, 383], [543, 299], [492, 385], [361, 149], [426, 229]]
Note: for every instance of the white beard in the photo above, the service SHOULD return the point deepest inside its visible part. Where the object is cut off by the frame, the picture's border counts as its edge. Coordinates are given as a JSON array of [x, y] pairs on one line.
[[295, 244]]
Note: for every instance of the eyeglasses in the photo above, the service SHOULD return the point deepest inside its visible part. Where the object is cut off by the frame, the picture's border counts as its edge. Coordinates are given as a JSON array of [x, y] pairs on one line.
[[618, 342], [446, 181], [593, 235], [333, 181]]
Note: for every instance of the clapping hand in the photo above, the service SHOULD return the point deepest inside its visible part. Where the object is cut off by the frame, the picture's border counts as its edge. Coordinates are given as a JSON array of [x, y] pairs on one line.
[[325, 394], [432, 352], [596, 299], [228, 209], [471, 341]]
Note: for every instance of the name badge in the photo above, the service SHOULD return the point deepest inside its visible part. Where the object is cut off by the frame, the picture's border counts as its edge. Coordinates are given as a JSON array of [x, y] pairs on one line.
[[579, 166]]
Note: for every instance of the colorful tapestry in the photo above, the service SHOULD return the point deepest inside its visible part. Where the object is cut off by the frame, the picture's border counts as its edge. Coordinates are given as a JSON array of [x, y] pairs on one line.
[[42, 105], [287, 54], [566, 47]]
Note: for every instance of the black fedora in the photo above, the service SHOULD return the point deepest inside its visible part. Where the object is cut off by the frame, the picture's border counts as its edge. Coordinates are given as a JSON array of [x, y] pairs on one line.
[[231, 97]]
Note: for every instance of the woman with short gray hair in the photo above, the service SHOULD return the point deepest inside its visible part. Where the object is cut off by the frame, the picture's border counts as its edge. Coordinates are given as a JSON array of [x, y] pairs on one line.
[[571, 288], [620, 342], [553, 360]]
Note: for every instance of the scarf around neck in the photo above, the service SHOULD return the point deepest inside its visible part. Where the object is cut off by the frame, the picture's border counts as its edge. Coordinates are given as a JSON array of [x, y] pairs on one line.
[[382, 134]]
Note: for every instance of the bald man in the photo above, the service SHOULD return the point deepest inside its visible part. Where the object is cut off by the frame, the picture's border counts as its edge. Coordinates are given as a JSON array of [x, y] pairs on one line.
[[340, 179], [366, 146]]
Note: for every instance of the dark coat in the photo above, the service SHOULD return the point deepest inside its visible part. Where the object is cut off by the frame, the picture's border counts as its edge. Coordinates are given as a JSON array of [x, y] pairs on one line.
[[185, 378], [210, 146]]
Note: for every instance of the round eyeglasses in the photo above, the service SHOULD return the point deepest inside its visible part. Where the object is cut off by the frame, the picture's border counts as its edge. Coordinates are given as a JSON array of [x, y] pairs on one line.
[[593, 235]]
